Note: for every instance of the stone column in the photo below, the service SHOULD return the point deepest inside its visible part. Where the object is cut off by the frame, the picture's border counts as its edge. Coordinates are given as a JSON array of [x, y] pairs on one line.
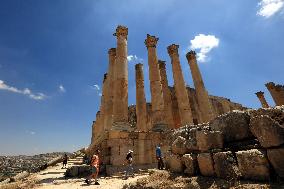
[[109, 93], [202, 95], [180, 88], [260, 96], [277, 93], [166, 94], [155, 85], [120, 104], [141, 112], [103, 102]]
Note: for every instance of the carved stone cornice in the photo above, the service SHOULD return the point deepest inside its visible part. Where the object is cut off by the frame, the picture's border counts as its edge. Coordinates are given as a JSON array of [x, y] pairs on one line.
[[259, 94], [112, 51], [121, 31], [173, 49], [191, 55], [151, 41]]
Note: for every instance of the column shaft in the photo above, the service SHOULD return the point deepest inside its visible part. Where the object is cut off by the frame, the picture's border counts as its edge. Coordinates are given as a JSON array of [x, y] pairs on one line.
[[180, 87], [260, 96], [202, 94], [277, 93], [141, 111]]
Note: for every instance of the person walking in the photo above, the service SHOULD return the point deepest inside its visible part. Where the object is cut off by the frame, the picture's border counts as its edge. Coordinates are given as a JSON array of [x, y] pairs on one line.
[[129, 162], [159, 157], [95, 162], [65, 159]]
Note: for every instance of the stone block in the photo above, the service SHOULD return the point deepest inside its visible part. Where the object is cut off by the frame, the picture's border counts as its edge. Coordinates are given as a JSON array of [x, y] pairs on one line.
[[207, 140], [253, 164], [206, 164], [174, 163], [234, 125], [113, 142], [123, 134], [142, 135], [275, 157], [113, 134], [268, 132], [72, 171], [118, 160], [179, 146], [225, 165], [190, 162]]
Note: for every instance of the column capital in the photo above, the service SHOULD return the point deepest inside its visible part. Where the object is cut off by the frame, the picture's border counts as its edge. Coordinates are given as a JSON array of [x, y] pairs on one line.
[[121, 31], [162, 64], [105, 77], [191, 55], [173, 49], [112, 51], [151, 41], [138, 66], [259, 93], [270, 85]]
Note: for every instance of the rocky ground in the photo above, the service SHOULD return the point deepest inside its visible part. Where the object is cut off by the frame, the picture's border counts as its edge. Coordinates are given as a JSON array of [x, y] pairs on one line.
[[11, 165]]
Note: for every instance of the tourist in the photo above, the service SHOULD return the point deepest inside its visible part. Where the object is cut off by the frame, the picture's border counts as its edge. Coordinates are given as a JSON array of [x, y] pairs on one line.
[[129, 161], [94, 168], [159, 157], [65, 158]]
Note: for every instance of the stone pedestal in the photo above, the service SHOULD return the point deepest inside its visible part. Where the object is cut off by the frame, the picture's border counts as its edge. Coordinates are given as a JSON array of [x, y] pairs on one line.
[[180, 88], [110, 90], [120, 103], [260, 96], [202, 95], [157, 101], [277, 93], [141, 112], [166, 94]]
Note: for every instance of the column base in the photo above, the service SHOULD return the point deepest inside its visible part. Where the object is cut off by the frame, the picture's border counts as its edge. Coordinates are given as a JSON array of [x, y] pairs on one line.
[[121, 126], [160, 127]]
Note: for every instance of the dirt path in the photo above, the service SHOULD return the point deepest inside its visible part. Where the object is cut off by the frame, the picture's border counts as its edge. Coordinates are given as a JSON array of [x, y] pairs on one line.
[[53, 177]]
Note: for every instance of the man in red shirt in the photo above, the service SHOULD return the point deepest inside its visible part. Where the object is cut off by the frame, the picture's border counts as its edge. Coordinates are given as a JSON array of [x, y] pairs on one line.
[[95, 162]]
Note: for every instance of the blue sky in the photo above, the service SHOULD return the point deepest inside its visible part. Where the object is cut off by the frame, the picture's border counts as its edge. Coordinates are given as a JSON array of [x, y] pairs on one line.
[[53, 55]]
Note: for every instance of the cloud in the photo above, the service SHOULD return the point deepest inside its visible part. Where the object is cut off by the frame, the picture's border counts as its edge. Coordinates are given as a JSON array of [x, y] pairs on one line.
[[132, 58], [269, 7], [26, 91], [61, 89], [97, 87], [31, 132], [205, 43]]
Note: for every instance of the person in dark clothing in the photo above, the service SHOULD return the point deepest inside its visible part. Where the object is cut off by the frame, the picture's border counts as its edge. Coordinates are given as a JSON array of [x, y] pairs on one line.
[[159, 157], [65, 159], [129, 161]]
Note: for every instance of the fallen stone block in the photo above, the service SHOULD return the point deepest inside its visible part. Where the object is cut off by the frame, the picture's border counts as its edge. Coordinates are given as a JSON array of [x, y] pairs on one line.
[[179, 146], [207, 140], [206, 164], [253, 164], [276, 158], [267, 131], [190, 162], [225, 165], [72, 171], [234, 125], [174, 163]]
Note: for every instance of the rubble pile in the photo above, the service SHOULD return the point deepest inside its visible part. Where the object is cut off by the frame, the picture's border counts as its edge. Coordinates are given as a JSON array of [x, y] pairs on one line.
[[239, 144]]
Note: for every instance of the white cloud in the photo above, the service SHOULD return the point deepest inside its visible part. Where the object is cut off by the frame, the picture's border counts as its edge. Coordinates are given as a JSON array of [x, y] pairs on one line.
[[134, 58], [205, 43], [269, 7], [62, 89], [31, 132], [26, 91], [97, 87]]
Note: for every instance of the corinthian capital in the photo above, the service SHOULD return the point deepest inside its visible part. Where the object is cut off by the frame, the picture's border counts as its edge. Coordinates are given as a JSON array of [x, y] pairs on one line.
[[121, 31], [270, 85], [191, 55], [259, 94], [173, 49], [151, 41]]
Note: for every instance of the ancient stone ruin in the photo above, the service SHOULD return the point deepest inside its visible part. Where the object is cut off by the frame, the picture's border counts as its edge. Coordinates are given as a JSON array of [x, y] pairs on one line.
[[200, 133]]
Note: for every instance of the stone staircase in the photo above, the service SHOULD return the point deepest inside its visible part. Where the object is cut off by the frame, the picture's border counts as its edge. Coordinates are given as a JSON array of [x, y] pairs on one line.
[[75, 161]]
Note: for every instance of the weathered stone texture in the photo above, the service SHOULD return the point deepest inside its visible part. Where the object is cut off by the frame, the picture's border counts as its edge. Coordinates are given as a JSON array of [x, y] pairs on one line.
[[175, 163], [253, 164], [277, 93], [206, 164], [275, 157], [207, 140], [225, 165], [179, 146], [260, 96], [268, 132], [190, 162]]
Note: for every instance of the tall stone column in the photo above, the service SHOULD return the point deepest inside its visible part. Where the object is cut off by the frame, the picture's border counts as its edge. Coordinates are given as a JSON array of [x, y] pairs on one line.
[[202, 95], [166, 94], [260, 96], [155, 85], [104, 101], [277, 93], [120, 104], [141, 112], [110, 90], [180, 87]]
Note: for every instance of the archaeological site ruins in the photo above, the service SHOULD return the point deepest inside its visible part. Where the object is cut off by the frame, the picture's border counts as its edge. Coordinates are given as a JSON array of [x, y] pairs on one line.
[[199, 133]]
